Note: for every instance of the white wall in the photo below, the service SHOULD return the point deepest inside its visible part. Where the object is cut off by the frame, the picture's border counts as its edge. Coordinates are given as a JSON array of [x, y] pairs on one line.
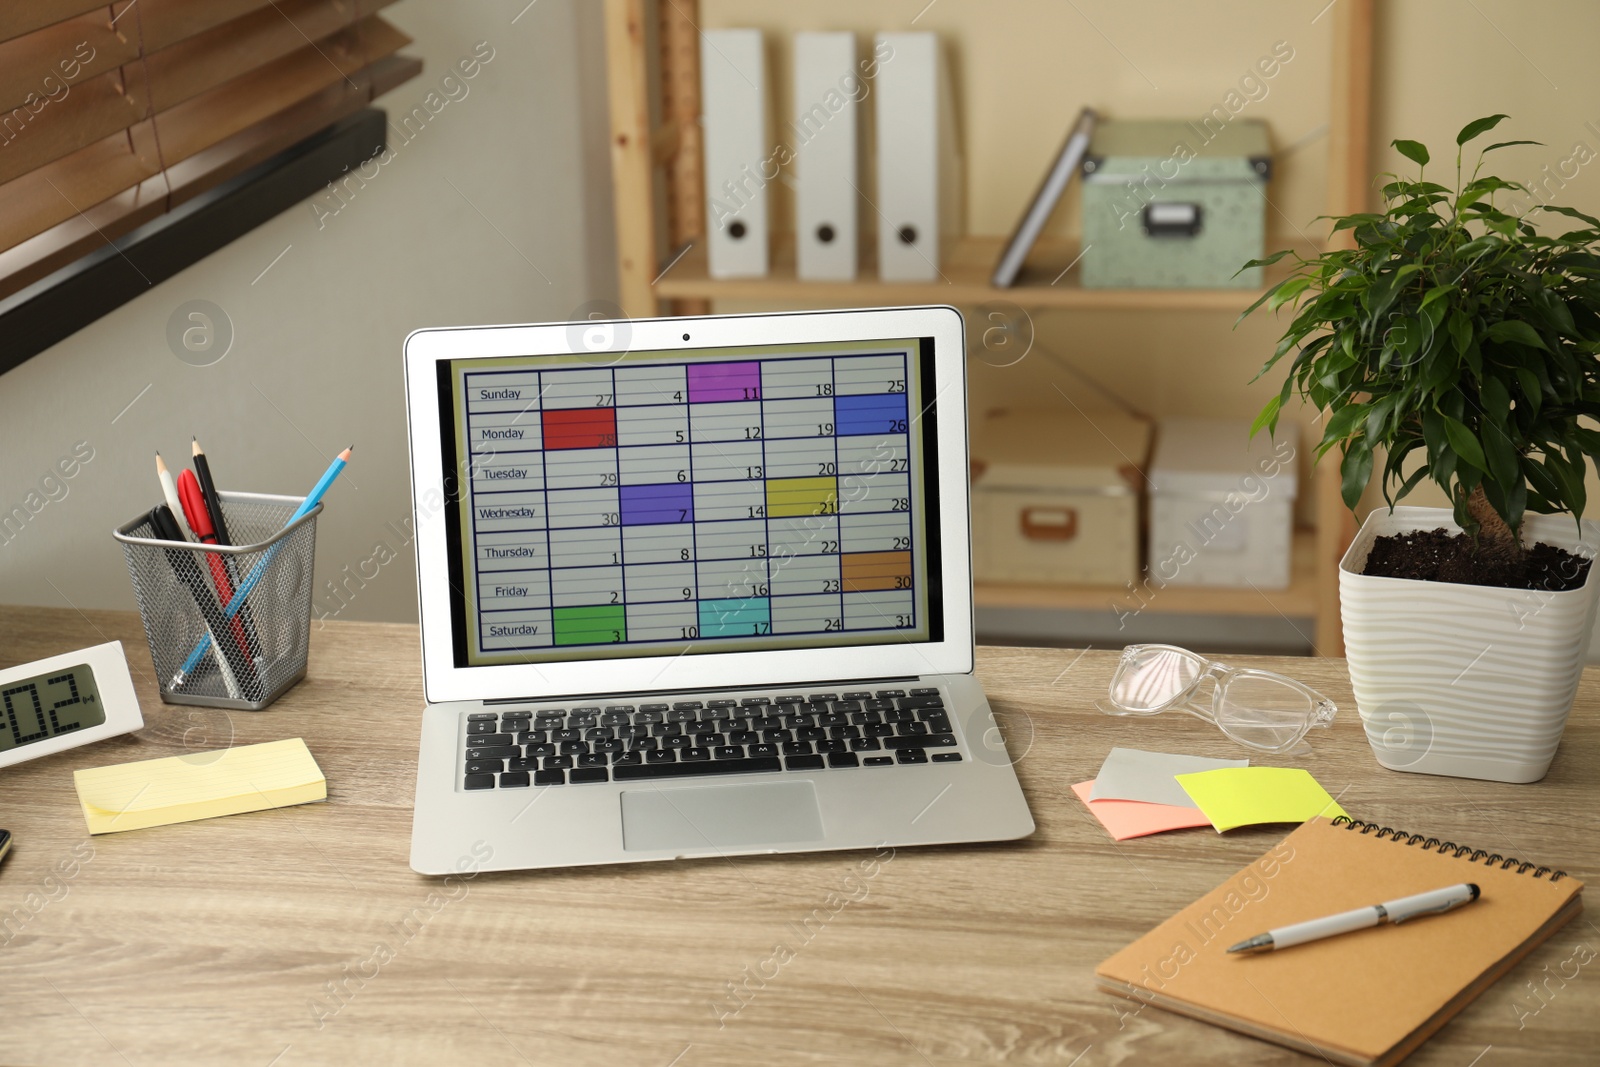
[[497, 211]]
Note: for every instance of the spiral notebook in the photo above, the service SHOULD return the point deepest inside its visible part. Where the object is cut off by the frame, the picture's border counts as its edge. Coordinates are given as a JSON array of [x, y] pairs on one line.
[[1370, 997]]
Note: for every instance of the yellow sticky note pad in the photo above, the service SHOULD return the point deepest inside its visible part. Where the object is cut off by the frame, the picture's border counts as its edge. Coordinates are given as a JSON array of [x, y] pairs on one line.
[[1244, 796], [199, 785]]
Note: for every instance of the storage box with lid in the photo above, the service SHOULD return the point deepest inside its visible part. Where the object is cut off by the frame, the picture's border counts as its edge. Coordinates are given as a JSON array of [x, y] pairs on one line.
[[1169, 204], [1222, 504], [1055, 496]]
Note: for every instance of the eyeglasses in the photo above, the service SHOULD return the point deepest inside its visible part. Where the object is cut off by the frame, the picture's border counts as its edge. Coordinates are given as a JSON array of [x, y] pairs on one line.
[[1258, 709]]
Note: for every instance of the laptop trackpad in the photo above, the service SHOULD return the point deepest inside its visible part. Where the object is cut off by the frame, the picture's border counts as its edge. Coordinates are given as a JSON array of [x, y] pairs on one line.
[[720, 816]]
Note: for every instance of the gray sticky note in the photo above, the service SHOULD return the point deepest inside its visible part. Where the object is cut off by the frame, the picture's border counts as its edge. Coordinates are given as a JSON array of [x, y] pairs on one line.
[[1133, 774]]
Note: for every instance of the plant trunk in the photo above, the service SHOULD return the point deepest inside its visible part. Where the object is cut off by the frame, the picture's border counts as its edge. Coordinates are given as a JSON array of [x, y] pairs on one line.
[[1496, 539]]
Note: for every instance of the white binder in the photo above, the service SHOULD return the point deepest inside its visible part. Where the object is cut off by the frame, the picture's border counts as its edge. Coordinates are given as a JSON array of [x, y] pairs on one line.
[[919, 166], [733, 97], [823, 132]]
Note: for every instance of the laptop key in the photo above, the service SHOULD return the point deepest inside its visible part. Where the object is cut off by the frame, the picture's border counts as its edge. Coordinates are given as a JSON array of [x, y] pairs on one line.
[[555, 777], [574, 748], [803, 763], [566, 734], [682, 741], [496, 738], [912, 755], [478, 781], [865, 744], [810, 733], [485, 766], [661, 755], [909, 703], [878, 729], [947, 757], [685, 770], [694, 754], [878, 761], [924, 692], [592, 759], [540, 751], [832, 746], [817, 698], [912, 728], [483, 716], [493, 752], [843, 759], [743, 737], [885, 694], [763, 751], [625, 708], [514, 780], [722, 703], [859, 694], [844, 733], [522, 765], [589, 774], [920, 741], [728, 752], [611, 745], [797, 748], [626, 759], [687, 705], [652, 707]]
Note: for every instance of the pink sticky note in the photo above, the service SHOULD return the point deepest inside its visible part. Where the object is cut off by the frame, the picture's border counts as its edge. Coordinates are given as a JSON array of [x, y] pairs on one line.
[[1132, 818]]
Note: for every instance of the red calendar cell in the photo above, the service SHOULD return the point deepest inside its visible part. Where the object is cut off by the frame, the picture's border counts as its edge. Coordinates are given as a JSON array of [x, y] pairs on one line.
[[580, 428]]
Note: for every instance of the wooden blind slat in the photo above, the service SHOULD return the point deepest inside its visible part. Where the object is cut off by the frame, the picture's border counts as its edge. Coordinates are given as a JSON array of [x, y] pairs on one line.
[[75, 235], [46, 65], [166, 22], [18, 17], [192, 66], [251, 98], [53, 193], [95, 108]]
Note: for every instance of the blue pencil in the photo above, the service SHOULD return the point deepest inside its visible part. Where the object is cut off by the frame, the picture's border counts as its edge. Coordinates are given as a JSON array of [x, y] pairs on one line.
[[260, 569]]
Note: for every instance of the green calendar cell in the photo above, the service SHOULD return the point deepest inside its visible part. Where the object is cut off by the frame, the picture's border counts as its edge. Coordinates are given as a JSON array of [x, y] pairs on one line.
[[596, 625]]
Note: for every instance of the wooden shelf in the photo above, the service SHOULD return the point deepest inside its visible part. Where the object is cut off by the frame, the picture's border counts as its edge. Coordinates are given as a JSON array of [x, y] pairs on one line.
[[967, 268], [1299, 600]]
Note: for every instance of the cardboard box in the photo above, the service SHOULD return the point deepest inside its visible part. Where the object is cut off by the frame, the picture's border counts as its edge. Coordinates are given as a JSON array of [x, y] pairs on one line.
[[1222, 504], [1055, 496]]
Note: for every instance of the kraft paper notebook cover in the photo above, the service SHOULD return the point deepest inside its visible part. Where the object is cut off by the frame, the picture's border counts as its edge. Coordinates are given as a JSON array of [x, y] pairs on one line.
[[1369, 997]]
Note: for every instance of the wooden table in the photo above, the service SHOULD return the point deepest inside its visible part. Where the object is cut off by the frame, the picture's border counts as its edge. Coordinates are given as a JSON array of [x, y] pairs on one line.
[[301, 936]]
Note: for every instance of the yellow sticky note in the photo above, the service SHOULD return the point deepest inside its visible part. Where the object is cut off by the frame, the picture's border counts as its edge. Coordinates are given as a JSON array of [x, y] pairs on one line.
[[199, 785], [1243, 796]]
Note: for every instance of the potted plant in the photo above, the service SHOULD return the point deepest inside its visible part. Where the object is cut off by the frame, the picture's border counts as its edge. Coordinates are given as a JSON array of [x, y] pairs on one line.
[[1457, 343]]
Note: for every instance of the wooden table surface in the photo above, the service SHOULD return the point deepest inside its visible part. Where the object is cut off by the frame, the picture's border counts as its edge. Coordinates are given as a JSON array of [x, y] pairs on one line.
[[300, 935]]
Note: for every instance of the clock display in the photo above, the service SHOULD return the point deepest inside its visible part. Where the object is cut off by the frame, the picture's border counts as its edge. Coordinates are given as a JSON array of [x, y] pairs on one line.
[[49, 705]]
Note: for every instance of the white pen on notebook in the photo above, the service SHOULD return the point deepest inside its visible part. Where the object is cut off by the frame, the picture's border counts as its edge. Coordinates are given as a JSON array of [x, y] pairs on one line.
[[1394, 911]]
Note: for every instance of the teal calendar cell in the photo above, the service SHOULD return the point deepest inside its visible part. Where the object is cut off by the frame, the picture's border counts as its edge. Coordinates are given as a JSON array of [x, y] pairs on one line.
[[735, 618]]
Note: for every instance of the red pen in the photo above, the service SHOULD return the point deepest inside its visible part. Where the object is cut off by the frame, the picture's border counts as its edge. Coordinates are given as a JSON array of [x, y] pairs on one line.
[[199, 519]]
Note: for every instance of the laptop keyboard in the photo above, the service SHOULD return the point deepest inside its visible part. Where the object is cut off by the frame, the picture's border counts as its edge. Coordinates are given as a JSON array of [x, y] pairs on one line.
[[694, 738]]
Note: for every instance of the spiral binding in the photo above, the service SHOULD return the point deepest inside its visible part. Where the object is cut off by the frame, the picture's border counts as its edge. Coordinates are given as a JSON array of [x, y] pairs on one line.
[[1488, 859]]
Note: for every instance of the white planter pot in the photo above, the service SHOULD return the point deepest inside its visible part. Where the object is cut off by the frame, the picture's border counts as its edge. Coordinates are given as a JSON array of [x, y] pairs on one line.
[[1465, 680]]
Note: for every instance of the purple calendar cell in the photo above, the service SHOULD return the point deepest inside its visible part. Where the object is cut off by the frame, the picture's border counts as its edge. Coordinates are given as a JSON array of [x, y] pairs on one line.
[[648, 505], [711, 383]]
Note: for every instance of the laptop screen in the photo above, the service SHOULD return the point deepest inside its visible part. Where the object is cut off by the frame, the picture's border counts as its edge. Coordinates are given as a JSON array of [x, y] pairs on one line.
[[691, 502]]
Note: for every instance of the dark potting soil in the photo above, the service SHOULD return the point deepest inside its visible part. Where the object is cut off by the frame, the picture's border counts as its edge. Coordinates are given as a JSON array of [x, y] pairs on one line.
[[1440, 556]]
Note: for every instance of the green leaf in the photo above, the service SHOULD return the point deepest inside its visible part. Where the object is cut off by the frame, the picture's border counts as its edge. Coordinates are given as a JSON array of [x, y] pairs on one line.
[[1501, 456], [1496, 401], [1268, 416], [1478, 126], [1530, 389], [1465, 445], [1508, 144], [1516, 332], [1415, 151], [1269, 261], [1286, 291], [1354, 473], [1573, 213], [1460, 331]]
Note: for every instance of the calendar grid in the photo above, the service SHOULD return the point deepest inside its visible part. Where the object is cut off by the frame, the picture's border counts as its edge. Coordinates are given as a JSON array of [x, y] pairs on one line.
[[775, 492]]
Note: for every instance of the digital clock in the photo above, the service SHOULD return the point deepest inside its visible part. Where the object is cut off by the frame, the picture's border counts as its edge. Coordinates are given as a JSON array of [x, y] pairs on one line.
[[65, 701]]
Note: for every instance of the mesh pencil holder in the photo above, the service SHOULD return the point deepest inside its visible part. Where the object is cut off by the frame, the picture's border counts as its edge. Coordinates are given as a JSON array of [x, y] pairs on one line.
[[204, 654]]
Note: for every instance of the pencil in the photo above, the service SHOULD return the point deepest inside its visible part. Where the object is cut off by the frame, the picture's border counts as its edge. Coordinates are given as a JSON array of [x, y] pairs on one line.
[[169, 489]]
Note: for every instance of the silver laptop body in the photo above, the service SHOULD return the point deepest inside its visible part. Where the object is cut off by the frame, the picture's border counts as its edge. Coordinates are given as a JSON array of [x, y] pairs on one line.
[[697, 587]]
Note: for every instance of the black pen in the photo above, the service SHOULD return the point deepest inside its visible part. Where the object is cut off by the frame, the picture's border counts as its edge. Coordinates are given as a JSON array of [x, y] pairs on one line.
[[219, 526]]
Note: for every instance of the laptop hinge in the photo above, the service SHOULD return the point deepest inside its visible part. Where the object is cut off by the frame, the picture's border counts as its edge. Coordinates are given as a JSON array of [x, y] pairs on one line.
[[640, 693]]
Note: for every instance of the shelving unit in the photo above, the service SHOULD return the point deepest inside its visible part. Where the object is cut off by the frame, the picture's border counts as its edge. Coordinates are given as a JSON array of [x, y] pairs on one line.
[[653, 76]]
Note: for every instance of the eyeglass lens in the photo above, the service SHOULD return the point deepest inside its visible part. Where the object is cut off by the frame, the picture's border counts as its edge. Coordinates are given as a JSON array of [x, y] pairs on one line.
[[1154, 678]]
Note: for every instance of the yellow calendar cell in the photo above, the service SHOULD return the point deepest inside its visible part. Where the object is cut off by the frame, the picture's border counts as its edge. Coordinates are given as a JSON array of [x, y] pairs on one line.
[[792, 497]]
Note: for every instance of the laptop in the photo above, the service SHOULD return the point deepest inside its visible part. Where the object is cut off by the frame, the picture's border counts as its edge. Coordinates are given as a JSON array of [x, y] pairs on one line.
[[697, 587]]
